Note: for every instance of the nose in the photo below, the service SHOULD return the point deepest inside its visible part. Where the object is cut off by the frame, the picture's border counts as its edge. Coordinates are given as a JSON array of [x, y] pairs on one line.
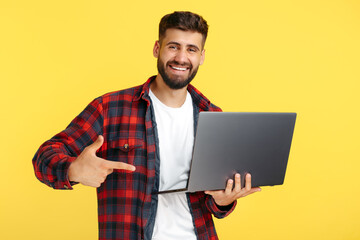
[[181, 56]]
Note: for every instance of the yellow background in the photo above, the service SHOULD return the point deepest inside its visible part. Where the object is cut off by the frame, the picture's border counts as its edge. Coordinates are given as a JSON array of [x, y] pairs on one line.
[[301, 56]]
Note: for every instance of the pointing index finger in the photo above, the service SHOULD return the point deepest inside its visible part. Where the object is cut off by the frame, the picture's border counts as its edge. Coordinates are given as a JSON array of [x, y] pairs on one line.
[[118, 165]]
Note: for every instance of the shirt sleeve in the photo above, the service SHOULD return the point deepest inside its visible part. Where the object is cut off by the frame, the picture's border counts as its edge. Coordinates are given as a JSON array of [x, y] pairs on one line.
[[52, 160], [215, 209]]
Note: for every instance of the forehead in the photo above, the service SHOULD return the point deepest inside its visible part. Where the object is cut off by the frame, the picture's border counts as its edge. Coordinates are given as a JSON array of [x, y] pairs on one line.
[[183, 37]]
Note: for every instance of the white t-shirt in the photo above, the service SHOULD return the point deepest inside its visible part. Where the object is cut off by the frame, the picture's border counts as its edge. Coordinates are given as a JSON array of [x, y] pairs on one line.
[[175, 128]]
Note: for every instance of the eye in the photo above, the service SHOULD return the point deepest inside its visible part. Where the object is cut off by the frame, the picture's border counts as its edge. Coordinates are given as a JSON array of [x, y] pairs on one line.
[[192, 50], [173, 47]]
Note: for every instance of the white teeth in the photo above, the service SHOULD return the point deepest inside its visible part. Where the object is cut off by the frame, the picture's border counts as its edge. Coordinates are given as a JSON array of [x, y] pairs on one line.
[[180, 69]]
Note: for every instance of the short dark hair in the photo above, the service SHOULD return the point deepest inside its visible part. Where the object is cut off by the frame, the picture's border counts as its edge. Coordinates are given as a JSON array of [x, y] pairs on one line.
[[186, 21]]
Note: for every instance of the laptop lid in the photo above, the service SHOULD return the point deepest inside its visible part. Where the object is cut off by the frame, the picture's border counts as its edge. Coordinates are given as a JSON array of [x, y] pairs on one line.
[[227, 143]]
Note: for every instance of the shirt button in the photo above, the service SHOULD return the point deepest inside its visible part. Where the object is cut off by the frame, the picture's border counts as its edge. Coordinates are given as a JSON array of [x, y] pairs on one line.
[[66, 187], [126, 146]]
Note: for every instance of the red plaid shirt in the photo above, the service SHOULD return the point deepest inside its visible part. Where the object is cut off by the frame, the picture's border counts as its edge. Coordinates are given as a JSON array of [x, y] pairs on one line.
[[126, 203]]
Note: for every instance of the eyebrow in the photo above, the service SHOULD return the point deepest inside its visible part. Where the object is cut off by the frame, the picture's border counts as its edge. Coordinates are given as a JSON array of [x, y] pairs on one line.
[[188, 45]]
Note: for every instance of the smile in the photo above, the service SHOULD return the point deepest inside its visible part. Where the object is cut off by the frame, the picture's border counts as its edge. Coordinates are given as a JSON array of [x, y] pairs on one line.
[[179, 68]]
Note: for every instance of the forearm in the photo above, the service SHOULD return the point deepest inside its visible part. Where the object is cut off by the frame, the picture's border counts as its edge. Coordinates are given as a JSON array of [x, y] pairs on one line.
[[51, 163]]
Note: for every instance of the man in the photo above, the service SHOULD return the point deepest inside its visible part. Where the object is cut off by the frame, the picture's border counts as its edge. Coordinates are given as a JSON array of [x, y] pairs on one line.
[[132, 143]]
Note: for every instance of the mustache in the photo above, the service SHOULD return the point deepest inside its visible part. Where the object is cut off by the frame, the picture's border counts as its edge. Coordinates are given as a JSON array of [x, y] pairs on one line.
[[184, 64]]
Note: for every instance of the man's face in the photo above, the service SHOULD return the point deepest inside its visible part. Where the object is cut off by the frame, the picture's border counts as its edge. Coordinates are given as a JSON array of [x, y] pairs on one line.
[[179, 55]]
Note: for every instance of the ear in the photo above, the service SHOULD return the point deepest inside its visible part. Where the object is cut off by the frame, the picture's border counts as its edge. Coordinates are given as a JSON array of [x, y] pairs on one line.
[[202, 57], [156, 49]]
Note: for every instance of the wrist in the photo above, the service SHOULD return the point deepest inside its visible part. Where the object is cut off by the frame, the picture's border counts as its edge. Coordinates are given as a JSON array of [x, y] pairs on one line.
[[226, 207], [72, 177]]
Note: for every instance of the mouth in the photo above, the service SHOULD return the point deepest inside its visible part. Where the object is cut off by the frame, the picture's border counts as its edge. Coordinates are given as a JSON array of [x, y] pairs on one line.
[[179, 68]]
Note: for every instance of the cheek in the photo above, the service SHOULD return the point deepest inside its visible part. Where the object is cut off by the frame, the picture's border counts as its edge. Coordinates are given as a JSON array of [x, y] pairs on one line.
[[196, 61], [165, 57]]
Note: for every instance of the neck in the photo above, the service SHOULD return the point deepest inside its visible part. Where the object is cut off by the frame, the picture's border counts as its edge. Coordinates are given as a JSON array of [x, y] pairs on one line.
[[170, 97]]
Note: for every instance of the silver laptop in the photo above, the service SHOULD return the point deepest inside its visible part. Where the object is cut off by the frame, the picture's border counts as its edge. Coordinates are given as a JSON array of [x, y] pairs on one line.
[[240, 142]]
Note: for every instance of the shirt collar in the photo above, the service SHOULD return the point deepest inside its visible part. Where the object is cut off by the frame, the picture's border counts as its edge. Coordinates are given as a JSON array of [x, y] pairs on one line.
[[143, 91], [199, 99]]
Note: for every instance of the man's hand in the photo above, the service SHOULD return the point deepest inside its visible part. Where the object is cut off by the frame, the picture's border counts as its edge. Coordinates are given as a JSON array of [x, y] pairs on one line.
[[229, 195], [90, 170]]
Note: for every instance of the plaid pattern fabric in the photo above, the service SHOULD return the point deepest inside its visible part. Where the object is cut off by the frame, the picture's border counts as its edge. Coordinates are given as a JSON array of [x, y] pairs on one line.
[[126, 205]]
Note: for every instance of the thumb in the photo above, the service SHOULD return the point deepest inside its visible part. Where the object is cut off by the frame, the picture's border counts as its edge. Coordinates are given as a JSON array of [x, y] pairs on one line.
[[97, 144]]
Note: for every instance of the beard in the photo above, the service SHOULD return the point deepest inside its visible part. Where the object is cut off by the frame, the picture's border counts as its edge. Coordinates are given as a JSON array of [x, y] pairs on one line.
[[176, 82]]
